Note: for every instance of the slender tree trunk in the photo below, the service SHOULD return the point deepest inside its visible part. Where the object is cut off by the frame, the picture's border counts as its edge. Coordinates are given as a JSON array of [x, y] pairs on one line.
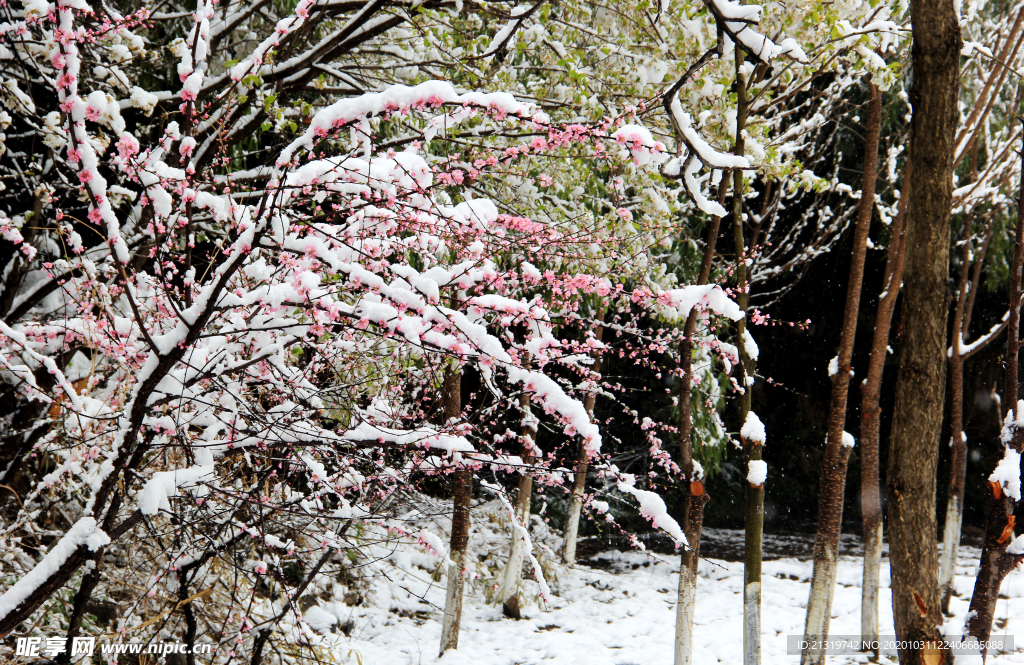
[[996, 562], [976, 277], [753, 535], [695, 497], [514, 571], [579, 483], [917, 416], [837, 452], [958, 440], [754, 498], [870, 492], [462, 490]]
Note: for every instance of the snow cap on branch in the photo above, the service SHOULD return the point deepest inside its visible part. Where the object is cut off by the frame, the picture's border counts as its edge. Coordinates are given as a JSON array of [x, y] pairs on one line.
[[432, 93], [757, 472], [753, 429], [85, 533], [653, 508]]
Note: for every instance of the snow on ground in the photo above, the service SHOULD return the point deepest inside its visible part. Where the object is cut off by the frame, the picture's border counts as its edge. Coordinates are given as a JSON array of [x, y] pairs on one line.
[[616, 608]]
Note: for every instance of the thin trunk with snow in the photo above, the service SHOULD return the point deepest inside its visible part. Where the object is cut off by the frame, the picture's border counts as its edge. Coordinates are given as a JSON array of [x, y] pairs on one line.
[[579, 483], [839, 444], [870, 412], [695, 497], [513, 578], [462, 491], [958, 439], [754, 498], [754, 527]]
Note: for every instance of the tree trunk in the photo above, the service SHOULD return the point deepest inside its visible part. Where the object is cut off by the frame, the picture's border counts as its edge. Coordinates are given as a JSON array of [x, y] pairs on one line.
[[696, 496], [753, 535], [462, 490], [958, 441], [754, 499], [579, 483], [837, 452], [687, 601], [917, 416], [870, 491], [514, 571], [996, 562]]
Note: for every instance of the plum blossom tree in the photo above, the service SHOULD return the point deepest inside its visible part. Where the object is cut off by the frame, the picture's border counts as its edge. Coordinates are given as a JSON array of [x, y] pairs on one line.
[[241, 285]]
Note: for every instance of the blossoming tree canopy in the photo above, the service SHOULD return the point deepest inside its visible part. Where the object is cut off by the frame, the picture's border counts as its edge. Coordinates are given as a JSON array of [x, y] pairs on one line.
[[235, 289]]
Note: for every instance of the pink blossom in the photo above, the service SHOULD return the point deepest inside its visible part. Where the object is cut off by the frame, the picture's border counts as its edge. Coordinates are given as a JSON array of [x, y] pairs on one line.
[[127, 146]]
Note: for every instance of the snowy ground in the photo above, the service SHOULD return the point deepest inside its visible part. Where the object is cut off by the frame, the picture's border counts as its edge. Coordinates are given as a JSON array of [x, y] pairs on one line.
[[618, 608]]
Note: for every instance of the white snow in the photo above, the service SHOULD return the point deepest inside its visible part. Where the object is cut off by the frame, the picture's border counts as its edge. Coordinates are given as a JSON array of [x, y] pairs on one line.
[[1017, 546], [506, 31], [622, 611], [350, 109], [318, 619], [757, 472], [984, 339], [848, 440], [1007, 473], [753, 429], [833, 366], [84, 532], [710, 296], [693, 187], [653, 508], [164, 484], [702, 149], [432, 543], [749, 345], [640, 143], [737, 12]]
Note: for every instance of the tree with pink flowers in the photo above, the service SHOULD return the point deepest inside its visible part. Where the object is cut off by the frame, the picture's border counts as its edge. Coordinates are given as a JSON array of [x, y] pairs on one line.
[[272, 272], [236, 332]]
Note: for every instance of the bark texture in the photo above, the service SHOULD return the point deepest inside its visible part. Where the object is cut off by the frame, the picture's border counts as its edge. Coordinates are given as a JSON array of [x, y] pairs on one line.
[[870, 489], [837, 453], [462, 491], [917, 418], [579, 483]]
